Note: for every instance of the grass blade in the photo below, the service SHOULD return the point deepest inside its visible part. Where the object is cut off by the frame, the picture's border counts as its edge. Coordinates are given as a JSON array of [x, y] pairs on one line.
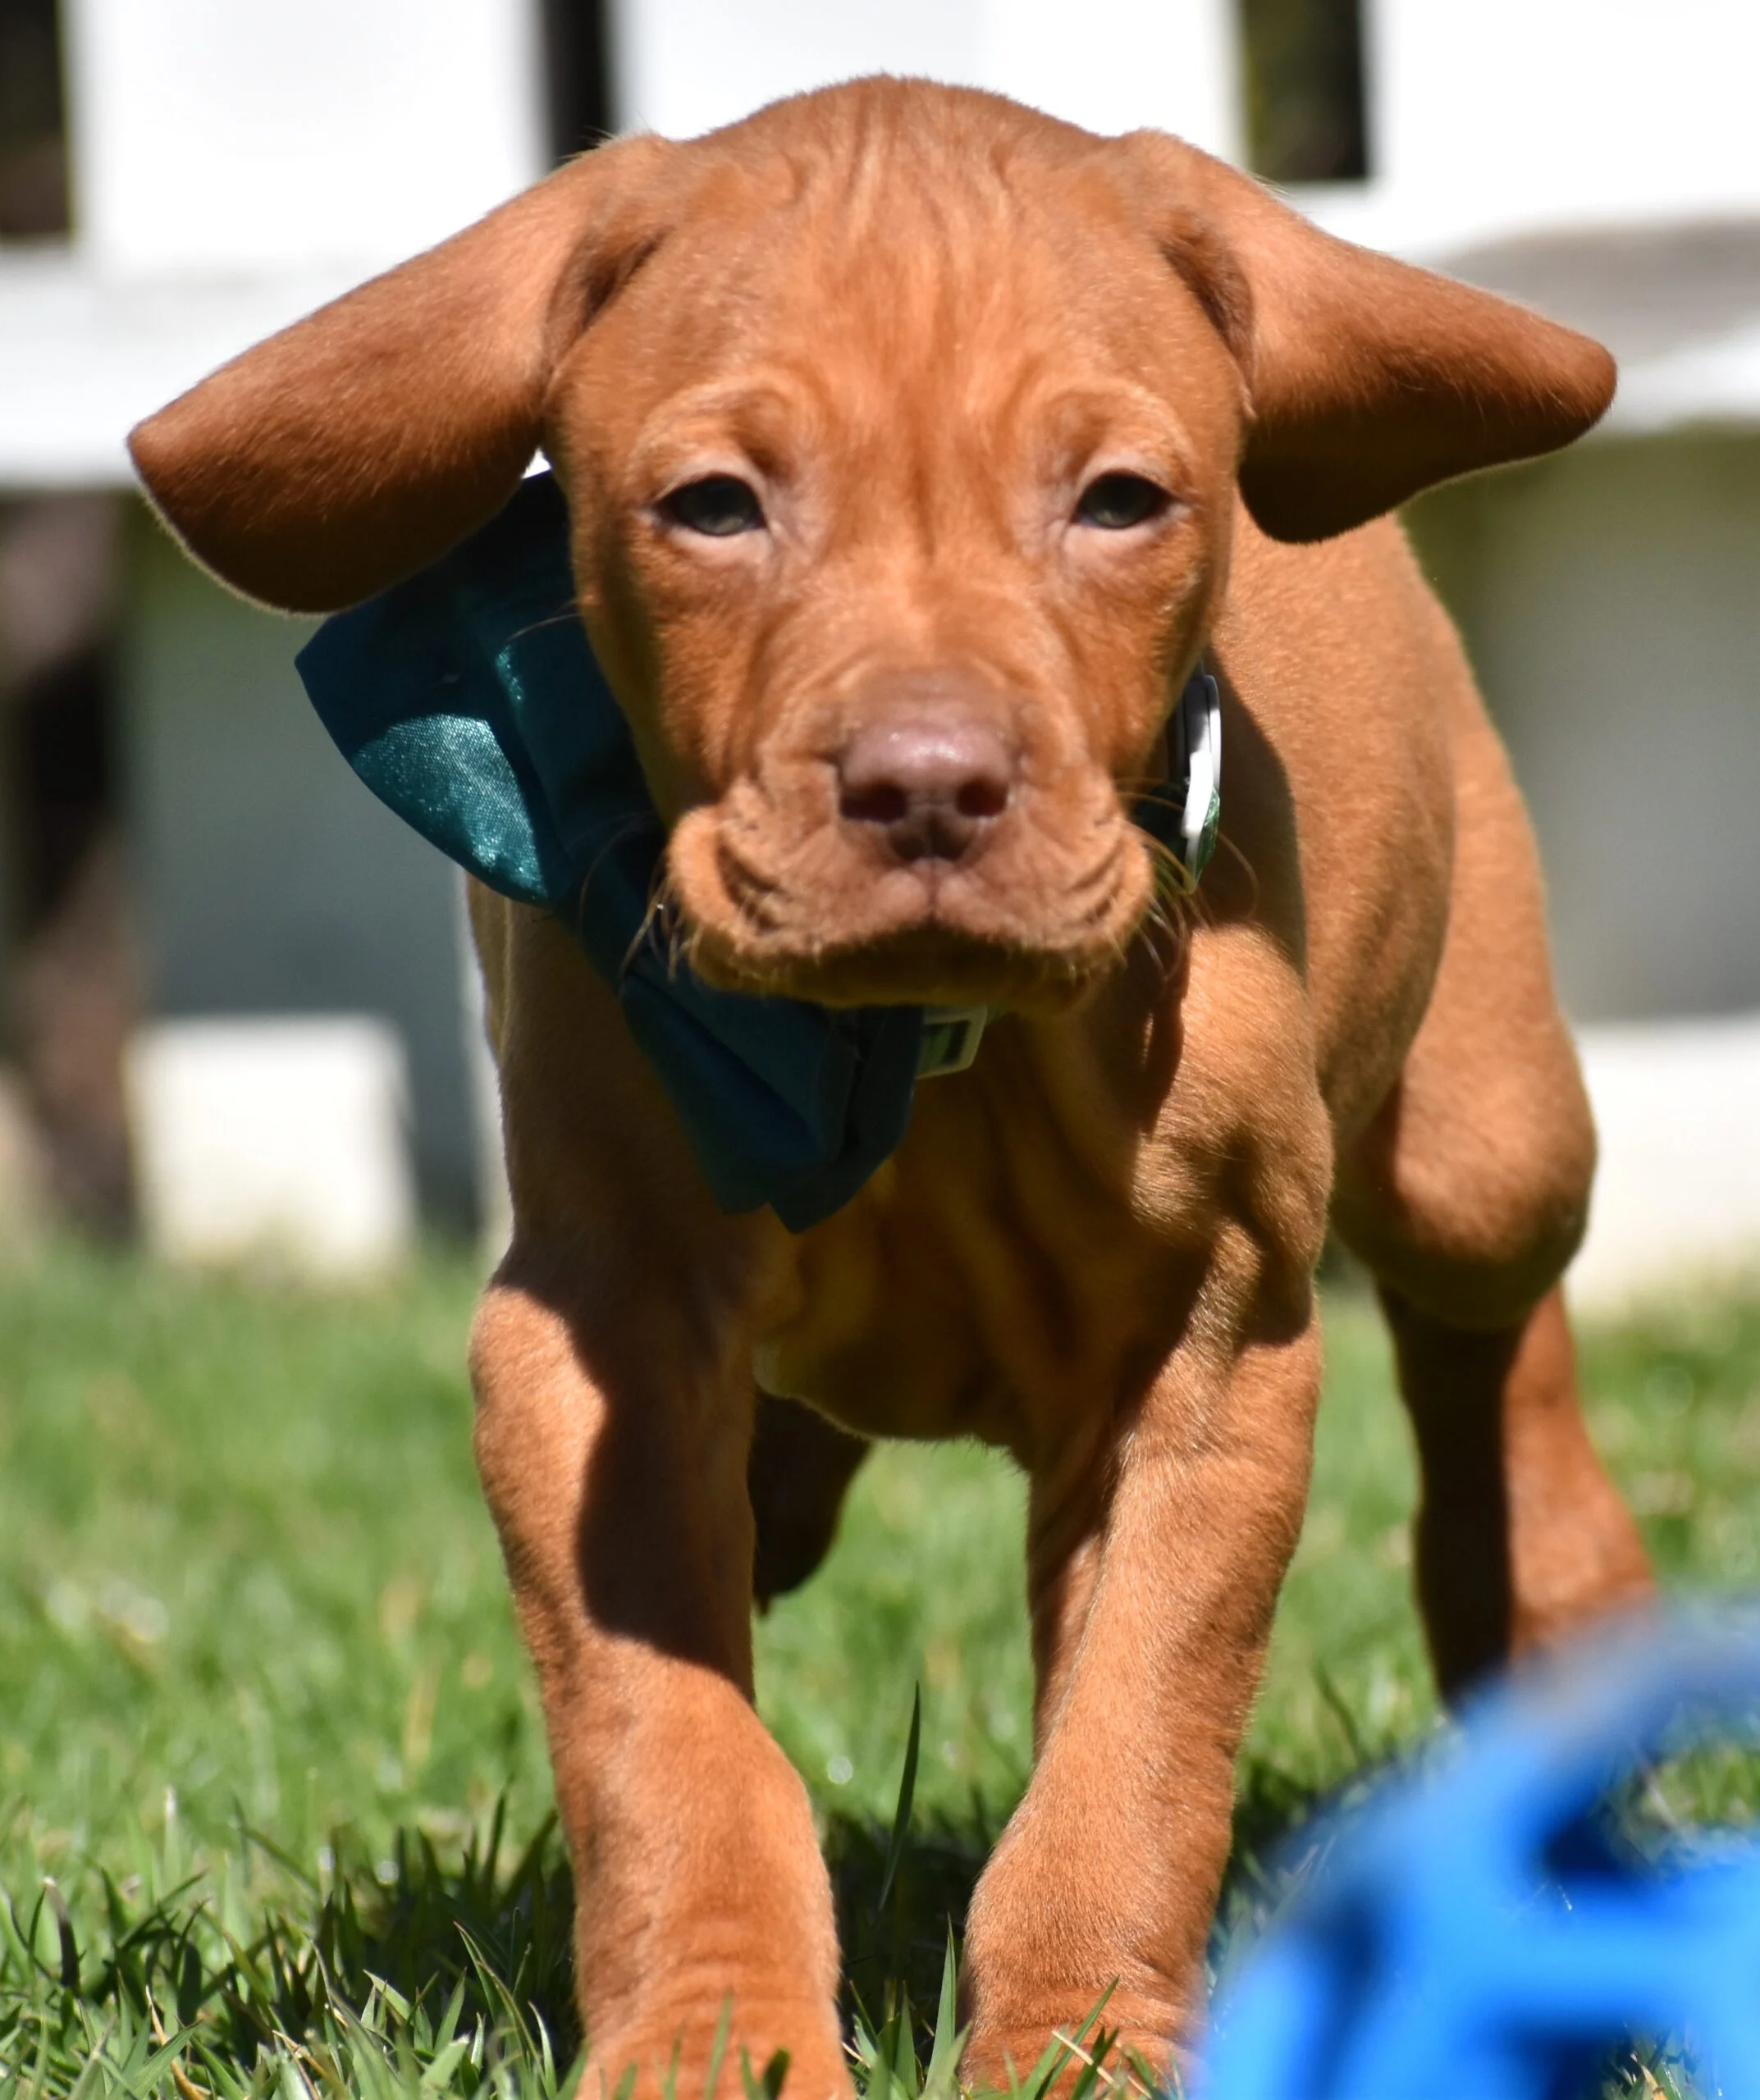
[[767, 2084], [901, 1817], [904, 2050], [69, 1945], [718, 2048], [945, 2050], [1061, 2047]]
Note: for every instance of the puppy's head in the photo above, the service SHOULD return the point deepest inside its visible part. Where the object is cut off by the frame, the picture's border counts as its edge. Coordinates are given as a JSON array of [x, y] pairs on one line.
[[903, 431]]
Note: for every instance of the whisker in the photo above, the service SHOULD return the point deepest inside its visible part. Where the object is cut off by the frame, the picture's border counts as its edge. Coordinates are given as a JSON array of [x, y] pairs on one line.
[[623, 831], [1244, 863], [663, 923], [650, 920], [1158, 935], [558, 618], [1173, 878]]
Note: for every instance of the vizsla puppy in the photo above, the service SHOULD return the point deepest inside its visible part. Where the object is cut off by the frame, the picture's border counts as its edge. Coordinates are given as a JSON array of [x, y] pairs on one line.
[[917, 449]]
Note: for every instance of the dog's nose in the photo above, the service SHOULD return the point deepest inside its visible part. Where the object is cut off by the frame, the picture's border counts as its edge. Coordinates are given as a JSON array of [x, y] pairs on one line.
[[930, 787]]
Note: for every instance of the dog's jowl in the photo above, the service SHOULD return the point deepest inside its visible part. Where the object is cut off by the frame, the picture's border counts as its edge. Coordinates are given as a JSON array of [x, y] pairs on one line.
[[959, 524]]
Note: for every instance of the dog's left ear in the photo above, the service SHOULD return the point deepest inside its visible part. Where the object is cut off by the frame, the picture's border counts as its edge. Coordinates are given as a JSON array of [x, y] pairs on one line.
[[360, 444], [1367, 379]]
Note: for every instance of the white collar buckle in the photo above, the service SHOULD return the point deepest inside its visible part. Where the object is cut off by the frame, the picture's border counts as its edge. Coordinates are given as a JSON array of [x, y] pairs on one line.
[[951, 1036]]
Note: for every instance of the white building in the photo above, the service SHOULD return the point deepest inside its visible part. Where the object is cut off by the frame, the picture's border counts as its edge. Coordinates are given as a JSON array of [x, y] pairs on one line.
[[235, 162]]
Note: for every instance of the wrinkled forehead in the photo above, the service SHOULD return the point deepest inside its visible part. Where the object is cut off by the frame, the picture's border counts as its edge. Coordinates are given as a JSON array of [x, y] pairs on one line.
[[876, 279]]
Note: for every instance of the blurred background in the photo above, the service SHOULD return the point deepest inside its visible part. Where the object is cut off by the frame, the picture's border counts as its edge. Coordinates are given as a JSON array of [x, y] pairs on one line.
[[233, 1005]]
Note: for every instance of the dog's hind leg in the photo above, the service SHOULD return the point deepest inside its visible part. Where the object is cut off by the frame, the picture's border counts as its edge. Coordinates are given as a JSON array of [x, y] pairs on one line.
[[1465, 1196], [798, 1473], [1521, 1539]]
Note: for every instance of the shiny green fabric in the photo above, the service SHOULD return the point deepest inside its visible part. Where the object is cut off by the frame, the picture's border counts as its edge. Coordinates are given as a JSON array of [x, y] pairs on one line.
[[469, 701]]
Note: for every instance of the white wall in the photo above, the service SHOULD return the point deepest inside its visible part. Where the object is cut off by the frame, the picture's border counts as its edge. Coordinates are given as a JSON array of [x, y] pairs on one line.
[[250, 136], [278, 1139], [1548, 112], [1677, 1191], [1610, 600], [269, 881], [84, 355], [681, 66]]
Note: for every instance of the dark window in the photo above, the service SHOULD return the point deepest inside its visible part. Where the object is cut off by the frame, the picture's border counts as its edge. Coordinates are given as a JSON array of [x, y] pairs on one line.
[[577, 74], [63, 772], [33, 125], [68, 998], [1303, 63]]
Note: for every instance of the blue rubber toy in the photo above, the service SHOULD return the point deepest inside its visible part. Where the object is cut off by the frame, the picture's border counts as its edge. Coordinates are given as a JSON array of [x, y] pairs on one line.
[[1483, 1934]]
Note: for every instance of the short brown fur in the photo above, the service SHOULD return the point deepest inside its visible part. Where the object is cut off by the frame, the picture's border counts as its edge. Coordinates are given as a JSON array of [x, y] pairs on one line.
[[917, 322]]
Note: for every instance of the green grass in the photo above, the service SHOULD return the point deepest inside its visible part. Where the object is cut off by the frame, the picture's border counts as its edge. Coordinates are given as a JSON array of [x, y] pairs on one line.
[[267, 1735]]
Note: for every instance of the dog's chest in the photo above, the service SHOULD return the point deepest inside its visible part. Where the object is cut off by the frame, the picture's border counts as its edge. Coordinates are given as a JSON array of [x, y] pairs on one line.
[[995, 1280]]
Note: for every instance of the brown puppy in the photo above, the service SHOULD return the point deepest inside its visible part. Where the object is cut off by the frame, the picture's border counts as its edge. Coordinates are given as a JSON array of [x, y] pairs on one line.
[[915, 446]]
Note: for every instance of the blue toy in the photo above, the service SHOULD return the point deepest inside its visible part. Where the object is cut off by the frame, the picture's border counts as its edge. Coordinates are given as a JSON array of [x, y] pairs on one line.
[[1483, 1934]]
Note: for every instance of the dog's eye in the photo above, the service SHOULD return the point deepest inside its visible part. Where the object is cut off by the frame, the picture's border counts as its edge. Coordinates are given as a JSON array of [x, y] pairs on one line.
[[1116, 502], [718, 506]]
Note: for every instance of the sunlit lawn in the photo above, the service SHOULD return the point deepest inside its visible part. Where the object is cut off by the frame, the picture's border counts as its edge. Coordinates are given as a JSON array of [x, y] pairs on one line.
[[258, 1676]]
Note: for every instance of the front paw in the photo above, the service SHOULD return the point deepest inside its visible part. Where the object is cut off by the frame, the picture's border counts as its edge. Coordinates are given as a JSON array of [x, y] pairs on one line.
[[661, 2055], [1135, 2050]]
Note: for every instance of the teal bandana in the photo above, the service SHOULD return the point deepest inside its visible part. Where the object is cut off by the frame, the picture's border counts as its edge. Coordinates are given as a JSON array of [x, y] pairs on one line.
[[469, 701]]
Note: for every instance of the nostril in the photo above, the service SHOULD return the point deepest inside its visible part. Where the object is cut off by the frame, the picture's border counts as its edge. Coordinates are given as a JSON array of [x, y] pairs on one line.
[[984, 795], [881, 802]]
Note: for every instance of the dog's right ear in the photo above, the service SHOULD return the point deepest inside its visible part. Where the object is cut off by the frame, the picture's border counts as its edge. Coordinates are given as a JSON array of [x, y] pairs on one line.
[[1367, 379], [357, 446]]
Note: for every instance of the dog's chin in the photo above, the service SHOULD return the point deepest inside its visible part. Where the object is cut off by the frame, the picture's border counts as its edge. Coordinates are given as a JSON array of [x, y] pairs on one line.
[[929, 966]]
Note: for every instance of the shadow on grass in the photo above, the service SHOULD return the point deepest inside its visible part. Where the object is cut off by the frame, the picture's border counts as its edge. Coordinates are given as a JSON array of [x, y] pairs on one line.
[[899, 1943], [459, 1960]]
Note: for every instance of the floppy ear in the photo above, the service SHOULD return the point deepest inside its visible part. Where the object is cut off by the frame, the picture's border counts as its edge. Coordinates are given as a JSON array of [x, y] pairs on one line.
[[360, 444], [1367, 379]]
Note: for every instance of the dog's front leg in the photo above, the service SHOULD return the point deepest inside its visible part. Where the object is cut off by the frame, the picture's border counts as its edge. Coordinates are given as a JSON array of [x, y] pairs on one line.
[[613, 1449], [1154, 1567]]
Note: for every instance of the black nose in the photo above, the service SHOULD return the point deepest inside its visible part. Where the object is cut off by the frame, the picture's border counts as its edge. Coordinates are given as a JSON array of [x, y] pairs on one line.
[[929, 786]]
